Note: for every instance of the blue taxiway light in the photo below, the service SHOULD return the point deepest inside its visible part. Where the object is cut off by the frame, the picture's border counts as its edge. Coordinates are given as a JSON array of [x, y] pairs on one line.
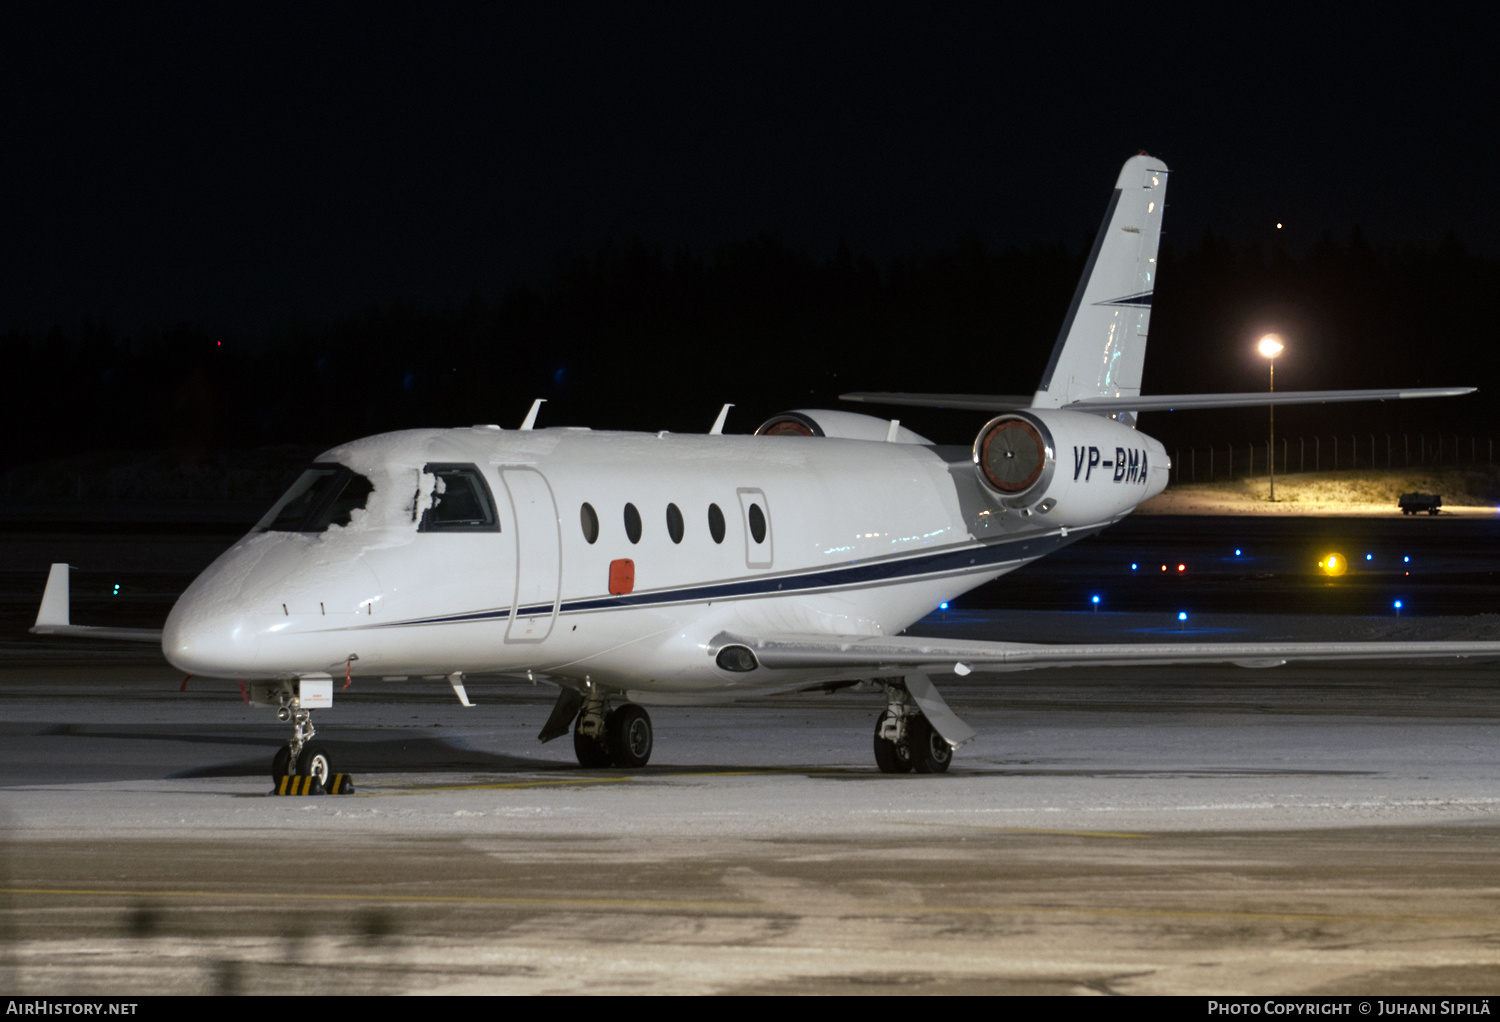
[[1406, 560], [1369, 557], [942, 606], [1237, 552], [1095, 599], [1182, 615], [1398, 604]]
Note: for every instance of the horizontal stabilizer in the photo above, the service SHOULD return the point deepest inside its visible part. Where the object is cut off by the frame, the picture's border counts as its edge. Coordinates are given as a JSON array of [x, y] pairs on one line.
[[1156, 402], [1258, 399], [976, 402]]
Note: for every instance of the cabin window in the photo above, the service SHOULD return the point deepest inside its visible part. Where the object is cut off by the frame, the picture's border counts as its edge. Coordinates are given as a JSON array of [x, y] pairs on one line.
[[716, 523], [323, 496], [632, 523], [757, 519], [461, 501], [590, 522], [674, 523]]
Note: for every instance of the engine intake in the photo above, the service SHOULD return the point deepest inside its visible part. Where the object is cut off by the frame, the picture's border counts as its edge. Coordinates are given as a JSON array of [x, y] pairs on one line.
[[839, 425], [1015, 457], [1107, 467]]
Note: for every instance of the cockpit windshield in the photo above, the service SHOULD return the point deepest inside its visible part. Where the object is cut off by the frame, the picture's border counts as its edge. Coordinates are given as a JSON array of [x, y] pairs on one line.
[[323, 496]]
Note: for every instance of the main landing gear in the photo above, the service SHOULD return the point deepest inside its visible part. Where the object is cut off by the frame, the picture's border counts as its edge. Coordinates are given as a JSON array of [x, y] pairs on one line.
[[905, 740], [301, 757], [603, 737]]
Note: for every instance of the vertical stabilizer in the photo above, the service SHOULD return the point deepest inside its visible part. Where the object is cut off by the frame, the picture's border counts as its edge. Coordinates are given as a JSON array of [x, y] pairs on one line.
[[1102, 345]]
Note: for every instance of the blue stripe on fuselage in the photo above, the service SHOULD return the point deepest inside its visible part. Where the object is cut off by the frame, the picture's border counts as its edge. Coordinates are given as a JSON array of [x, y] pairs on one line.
[[963, 560]]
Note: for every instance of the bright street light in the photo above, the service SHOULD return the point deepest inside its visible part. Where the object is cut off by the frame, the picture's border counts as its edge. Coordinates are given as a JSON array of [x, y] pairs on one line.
[[1270, 346]]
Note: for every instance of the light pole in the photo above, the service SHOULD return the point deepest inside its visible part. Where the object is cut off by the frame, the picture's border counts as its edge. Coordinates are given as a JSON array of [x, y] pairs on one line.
[[1270, 346]]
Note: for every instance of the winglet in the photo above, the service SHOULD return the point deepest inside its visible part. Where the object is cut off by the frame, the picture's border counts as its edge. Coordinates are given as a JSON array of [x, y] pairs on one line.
[[530, 419], [719, 422], [54, 609], [456, 679]]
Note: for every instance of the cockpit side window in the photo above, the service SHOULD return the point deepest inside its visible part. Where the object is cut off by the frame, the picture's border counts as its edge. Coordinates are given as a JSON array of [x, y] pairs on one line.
[[461, 501], [324, 495]]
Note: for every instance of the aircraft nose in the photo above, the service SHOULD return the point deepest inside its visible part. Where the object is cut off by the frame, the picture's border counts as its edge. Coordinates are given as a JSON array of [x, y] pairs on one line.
[[204, 637]]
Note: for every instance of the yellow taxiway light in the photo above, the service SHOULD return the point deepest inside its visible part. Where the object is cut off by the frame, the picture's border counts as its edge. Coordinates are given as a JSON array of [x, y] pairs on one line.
[[1334, 564]]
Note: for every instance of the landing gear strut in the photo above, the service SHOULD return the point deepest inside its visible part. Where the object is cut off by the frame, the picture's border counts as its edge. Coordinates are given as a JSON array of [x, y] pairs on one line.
[[602, 737], [905, 740], [301, 757]]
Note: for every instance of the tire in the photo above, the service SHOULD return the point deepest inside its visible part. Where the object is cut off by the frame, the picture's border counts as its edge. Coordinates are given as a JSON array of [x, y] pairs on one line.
[[313, 761], [628, 731], [889, 757], [281, 763], [591, 752], [930, 751]]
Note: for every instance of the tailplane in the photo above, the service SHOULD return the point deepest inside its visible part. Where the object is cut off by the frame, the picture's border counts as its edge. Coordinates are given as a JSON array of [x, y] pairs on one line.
[[1100, 351]]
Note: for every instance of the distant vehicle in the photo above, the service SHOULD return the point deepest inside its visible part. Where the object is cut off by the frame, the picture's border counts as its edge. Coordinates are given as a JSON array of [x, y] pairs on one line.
[[673, 569], [1411, 503]]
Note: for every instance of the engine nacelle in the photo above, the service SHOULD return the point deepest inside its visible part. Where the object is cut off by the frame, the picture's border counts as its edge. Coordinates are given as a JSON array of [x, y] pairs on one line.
[[1074, 467], [843, 425]]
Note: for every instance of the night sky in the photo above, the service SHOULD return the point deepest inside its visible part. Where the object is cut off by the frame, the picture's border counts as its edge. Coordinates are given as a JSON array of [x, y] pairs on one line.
[[253, 167]]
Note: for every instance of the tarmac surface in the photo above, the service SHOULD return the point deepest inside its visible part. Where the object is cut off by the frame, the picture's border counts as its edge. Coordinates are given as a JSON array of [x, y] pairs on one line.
[[1326, 829]]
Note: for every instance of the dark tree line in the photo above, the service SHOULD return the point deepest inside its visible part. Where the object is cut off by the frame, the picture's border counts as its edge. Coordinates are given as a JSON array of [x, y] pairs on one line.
[[637, 338]]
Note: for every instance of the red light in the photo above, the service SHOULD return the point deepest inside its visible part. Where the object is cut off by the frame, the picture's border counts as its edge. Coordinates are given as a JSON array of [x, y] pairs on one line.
[[1163, 567], [1182, 567]]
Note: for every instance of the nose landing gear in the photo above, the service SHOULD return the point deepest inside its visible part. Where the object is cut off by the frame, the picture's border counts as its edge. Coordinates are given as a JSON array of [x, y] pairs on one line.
[[300, 757]]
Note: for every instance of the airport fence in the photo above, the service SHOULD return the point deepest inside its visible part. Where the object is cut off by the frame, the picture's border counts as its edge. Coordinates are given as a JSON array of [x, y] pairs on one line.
[[1329, 452]]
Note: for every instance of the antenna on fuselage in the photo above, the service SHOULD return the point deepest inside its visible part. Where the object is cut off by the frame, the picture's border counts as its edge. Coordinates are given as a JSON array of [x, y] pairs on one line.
[[530, 419], [719, 422]]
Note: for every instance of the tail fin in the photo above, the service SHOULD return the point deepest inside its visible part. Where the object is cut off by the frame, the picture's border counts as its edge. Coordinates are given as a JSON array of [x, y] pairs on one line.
[[1102, 345]]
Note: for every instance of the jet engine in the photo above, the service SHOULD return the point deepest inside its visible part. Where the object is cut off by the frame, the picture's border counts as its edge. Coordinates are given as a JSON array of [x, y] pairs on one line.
[[842, 425], [1074, 467]]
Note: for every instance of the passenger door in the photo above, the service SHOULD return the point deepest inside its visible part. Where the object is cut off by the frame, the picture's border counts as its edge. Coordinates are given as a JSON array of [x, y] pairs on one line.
[[538, 554]]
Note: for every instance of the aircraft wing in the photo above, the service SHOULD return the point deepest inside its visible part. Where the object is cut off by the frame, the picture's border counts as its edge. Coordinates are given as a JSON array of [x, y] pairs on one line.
[[890, 656], [1156, 402], [53, 617]]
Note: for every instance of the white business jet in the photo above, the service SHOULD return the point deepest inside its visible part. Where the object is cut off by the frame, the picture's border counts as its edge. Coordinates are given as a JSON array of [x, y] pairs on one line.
[[659, 568]]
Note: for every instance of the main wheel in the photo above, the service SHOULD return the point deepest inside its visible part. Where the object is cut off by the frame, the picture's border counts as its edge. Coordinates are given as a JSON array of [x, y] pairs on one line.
[[628, 733], [890, 757], [313, 762], [281, 763], [591, 752], [930, 751]]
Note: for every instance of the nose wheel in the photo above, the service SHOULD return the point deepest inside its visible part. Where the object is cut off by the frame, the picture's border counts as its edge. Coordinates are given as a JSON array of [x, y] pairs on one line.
[[301, 757]]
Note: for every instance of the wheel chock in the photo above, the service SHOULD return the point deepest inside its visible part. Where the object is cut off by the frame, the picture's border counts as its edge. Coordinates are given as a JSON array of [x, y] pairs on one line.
[[291, 784]]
